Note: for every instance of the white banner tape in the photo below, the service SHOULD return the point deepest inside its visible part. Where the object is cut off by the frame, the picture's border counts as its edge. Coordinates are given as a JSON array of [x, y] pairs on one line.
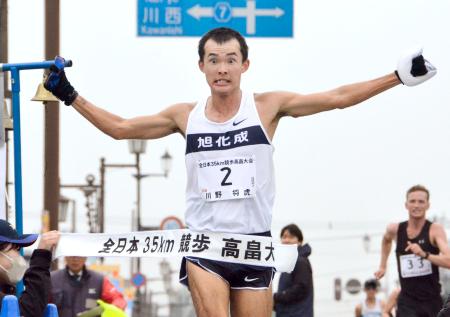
[[226, 247]]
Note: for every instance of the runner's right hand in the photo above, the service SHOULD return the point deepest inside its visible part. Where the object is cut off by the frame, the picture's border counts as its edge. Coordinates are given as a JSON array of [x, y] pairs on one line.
[[380, 273], [57, 83]]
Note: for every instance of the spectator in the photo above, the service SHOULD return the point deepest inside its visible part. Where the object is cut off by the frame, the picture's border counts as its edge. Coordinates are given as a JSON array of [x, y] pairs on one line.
[[13, 267], [295, 294], [76, 289]]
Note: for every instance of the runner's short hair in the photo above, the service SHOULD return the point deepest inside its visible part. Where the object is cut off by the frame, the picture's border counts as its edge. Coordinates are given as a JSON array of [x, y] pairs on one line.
[[418, 188], [371, 284], [220, 36]]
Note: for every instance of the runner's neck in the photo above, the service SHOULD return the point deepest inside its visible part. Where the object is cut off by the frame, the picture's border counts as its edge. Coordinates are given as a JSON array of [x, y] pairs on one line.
[[370, 302], [220, 108], [415, 226]]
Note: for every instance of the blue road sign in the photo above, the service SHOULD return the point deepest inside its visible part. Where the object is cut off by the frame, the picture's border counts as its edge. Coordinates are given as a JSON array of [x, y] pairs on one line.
[[171, 223], [138, 279], [261, 18]]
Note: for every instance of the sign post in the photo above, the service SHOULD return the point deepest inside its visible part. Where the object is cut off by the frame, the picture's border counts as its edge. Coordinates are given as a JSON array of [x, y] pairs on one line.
[[2, 153]]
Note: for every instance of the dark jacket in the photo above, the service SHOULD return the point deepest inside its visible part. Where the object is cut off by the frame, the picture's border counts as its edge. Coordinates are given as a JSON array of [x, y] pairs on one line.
[[72, 296], [295, 294], [34, 299]]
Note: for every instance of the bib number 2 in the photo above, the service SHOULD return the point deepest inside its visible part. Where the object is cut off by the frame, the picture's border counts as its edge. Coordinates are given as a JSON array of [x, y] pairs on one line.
[[227, 178], [227, 170]]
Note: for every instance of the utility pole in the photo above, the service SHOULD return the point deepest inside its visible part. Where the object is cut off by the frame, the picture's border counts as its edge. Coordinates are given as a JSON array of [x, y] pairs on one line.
[[4, 42], [7, 92], [51, 129]]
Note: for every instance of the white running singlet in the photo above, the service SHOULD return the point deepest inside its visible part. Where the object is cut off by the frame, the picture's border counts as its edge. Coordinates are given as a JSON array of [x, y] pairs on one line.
[[374, 311], [230, 177]]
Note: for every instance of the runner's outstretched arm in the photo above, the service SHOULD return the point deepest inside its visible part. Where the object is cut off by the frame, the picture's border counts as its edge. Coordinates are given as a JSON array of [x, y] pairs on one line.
[[412, 69], [146, 127]]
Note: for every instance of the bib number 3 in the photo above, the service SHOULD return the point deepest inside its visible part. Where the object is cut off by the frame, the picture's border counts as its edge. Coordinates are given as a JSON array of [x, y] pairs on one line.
[[411, 266]]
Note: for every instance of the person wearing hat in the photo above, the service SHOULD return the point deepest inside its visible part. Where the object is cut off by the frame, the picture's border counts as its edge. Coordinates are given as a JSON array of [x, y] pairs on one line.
[[14, 268]]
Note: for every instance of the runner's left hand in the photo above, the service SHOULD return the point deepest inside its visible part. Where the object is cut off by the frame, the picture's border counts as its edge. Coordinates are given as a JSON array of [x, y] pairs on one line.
[[413, 69], [415, 248]]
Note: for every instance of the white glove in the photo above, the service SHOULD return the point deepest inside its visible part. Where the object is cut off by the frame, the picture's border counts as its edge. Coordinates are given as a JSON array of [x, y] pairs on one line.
[[413, 69]]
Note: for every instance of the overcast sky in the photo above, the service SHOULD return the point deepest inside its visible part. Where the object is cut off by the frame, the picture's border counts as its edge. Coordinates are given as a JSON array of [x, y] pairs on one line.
[[345, 166]]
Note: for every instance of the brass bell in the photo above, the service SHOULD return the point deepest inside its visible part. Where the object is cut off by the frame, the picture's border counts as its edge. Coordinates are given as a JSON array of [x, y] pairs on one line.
[[6, 119], [43, 94]]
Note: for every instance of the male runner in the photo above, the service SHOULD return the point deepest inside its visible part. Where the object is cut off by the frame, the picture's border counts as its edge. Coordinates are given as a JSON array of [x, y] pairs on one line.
[[421, 249], [371, 305], [226, 127]]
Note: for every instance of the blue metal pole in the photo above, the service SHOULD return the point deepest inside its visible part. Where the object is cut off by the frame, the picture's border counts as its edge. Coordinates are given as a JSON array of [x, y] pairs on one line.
[[37, 65], [15, 90]]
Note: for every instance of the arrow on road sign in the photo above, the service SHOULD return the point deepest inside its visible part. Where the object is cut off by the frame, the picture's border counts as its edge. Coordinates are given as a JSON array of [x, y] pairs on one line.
[[245, 12], [198, 12], [250, 13]]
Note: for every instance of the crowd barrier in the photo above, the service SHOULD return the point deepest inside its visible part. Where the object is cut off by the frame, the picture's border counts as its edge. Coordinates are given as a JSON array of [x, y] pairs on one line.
[[10, 308]]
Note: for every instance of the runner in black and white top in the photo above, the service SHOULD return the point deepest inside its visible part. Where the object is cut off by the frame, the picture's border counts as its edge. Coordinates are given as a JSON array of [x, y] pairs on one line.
[[232, 125], [421, 249]]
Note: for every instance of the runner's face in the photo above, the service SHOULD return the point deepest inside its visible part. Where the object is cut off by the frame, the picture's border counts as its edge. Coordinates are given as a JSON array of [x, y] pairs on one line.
[[288, 238], [370, 292], [223, 66], [417, 204]]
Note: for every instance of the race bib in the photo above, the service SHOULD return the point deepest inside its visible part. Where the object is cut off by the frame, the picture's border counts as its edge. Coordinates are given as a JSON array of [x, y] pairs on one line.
[[412, 265], [227, 178]]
